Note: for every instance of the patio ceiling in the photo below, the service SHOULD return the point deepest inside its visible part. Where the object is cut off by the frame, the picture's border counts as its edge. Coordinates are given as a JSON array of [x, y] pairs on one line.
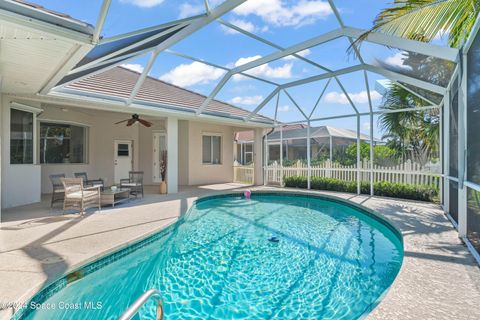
[[154, 43]]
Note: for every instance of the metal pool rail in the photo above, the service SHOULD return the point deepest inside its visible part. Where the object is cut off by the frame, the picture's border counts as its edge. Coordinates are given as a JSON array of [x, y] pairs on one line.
[[133, 309]]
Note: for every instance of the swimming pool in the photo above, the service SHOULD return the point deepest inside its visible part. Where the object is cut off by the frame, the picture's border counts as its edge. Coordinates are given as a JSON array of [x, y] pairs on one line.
[[274, 256]]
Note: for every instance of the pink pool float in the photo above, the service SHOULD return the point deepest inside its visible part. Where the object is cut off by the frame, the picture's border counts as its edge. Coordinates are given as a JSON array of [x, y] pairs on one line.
[[247, 194]]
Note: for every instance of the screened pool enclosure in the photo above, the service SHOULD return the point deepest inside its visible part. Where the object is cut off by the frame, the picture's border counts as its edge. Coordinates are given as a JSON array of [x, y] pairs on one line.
[[285, 66]]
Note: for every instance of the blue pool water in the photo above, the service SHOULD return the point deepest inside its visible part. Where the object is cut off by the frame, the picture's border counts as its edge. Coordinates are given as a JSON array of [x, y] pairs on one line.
[[331, 262]]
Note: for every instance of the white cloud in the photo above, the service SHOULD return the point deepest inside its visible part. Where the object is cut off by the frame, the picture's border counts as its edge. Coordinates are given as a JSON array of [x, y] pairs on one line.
[[302, 53], [366, 126], [188, 10], [281, 72], [248, 100], [242, 89], [143, 3], [276, 13], [243, 24], [397, 60], [284, 108], [359, 97], [186, 75], [133, 66]]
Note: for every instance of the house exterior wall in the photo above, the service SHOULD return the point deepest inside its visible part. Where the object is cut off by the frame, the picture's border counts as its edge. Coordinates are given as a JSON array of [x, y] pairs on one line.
[[200, 173], [24, 184]]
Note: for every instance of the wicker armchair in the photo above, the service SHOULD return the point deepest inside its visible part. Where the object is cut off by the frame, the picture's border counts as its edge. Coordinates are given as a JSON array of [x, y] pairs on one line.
[[89, 183], [79, 197], [134, 183], [58, 192]]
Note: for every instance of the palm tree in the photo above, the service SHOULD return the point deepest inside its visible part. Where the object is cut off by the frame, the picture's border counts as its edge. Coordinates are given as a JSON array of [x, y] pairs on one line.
[[423, 20], [413, 134]]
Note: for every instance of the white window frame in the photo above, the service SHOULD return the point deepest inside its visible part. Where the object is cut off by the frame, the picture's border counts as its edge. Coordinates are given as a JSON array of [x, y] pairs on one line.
[[211, 135], [34, 111]]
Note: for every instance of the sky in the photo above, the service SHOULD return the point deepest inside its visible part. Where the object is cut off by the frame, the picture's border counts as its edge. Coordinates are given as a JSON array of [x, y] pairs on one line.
[[283, 22]]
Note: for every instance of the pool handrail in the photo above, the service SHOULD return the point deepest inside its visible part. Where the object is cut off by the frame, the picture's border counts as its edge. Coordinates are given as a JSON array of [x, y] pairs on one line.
[[135, 307]]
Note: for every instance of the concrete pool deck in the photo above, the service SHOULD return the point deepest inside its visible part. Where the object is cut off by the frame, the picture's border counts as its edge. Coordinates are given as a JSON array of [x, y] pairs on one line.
[[439, 279]]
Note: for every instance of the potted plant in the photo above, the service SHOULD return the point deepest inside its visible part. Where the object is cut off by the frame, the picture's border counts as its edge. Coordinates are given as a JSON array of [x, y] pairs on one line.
[[163, 171]]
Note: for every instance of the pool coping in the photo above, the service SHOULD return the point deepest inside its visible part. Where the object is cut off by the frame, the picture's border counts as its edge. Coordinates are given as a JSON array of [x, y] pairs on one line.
[[105, 258]]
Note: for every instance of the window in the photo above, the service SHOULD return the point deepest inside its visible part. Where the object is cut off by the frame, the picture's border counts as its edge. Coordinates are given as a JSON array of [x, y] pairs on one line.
[[62, 143], [211, 149], [21, 137], [122, 150]]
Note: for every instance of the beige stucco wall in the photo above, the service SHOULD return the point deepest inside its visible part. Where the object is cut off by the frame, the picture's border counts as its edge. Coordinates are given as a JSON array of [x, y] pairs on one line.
[[207, 174]]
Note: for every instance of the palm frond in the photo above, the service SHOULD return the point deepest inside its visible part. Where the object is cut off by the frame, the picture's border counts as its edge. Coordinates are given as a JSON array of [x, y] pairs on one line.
[[424, 20]]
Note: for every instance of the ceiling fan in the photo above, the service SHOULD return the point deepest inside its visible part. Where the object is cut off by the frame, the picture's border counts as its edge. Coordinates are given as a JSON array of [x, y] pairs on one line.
[[135, 118]]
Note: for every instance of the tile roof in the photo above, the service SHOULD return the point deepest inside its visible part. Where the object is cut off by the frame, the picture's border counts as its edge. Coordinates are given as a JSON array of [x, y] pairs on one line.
[[119, 82], [320, 132], [248, 136], [36, 11]]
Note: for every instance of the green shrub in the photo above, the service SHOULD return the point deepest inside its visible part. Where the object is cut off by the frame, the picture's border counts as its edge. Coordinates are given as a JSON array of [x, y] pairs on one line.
[[383, 188]]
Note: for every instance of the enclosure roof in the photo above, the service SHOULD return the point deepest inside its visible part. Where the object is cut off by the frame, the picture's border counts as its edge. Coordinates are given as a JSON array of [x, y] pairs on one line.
[[271, 52]]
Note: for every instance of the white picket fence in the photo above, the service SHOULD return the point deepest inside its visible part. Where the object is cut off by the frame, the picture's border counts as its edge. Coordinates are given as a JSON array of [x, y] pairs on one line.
[[243, 174], [408, 172]]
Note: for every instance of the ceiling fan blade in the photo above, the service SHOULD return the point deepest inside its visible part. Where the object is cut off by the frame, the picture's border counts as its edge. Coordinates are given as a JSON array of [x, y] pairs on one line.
[[122, 121], [130, 122], [145, 123]]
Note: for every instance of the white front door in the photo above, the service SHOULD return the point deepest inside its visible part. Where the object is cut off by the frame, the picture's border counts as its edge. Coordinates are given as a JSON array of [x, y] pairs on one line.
[[123, 159], [159, 145]]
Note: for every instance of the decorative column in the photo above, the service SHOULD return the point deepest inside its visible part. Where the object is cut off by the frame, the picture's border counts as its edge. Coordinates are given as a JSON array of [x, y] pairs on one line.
[[358, 154], [372, 180], [172, 155], [309, 173], [281, 155], [258, 157]]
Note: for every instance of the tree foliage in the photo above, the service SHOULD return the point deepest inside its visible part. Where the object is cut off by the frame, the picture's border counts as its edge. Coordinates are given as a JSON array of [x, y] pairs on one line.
[[413, 134], [424, 20], [383, 155]]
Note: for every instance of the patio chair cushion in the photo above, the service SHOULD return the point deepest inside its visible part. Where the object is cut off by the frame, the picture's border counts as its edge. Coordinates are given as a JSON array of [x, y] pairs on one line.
[[78, 194], [131, 184]]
